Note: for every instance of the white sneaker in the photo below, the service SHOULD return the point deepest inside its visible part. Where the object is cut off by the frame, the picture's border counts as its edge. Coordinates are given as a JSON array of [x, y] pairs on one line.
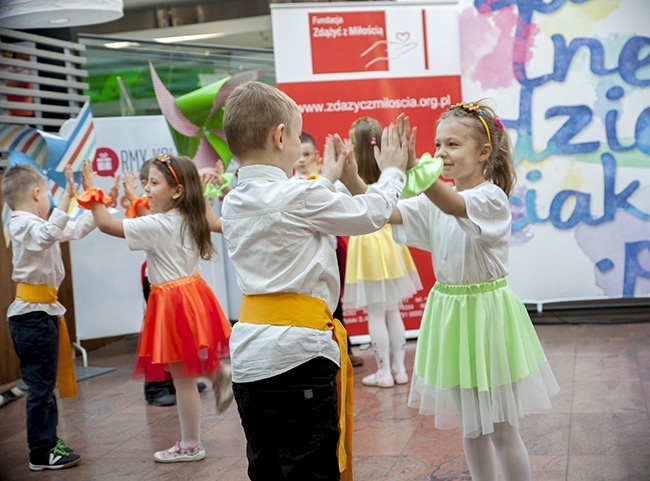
[[377, 380], [222, 388], [177, 454]]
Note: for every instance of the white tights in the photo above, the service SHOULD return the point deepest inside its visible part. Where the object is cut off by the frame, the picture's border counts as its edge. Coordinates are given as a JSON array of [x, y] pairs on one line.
[[506, 444], [188, 405], [388, 336]]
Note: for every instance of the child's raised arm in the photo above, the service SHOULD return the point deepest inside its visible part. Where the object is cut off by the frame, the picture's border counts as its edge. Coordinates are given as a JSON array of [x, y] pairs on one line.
[[211, 176], [138, 206], [333, 158], [350, 176], [394, 149], [105, 221], [70, 189], [447, 199], [404, 131]]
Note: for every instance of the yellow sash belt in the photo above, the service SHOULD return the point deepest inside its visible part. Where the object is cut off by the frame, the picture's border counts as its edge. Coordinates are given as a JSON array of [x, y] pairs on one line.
[[285, 309], [66, 380]]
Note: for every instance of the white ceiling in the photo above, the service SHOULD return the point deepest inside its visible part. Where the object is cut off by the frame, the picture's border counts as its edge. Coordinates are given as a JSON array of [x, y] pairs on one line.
[[251, 31]]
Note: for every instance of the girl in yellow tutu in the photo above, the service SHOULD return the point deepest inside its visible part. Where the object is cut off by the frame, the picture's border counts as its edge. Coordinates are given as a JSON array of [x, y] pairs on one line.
[[379, 273], [477, 353], [184, 331]]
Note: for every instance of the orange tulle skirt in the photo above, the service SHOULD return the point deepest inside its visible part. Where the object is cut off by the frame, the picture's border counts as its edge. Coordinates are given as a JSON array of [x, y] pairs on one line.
[[183, 323]]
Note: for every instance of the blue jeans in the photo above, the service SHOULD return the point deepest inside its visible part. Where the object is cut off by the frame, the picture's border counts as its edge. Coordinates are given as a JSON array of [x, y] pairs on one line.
[[36, 340], [291, 424]]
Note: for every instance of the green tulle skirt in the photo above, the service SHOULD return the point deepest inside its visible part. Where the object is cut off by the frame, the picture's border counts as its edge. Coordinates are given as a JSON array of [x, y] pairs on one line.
[[478, 359]]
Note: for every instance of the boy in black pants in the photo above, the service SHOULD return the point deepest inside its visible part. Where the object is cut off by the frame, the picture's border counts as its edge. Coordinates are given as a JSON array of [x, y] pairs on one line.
[[36, 323]]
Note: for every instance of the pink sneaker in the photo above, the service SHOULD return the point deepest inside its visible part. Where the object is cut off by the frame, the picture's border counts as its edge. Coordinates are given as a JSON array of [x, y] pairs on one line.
[[177, 454]]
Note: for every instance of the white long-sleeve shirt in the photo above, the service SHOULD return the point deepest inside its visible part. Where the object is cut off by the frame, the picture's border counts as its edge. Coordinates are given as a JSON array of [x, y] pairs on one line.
[[277, 232], [37, 253]]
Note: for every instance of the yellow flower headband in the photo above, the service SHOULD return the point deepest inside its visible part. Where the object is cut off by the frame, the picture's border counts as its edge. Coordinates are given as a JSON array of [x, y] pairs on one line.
[[476, 110]]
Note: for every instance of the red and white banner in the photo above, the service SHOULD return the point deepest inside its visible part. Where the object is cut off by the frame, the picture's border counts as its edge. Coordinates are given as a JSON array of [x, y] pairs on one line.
[[343, 61]]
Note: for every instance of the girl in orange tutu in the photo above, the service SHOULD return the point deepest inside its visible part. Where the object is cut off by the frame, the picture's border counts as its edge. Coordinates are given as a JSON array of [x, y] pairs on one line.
[[184, 331]]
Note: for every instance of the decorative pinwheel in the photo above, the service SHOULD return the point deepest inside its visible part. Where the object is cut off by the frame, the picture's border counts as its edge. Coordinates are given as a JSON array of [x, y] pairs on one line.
[[196, 118], [50, 153]]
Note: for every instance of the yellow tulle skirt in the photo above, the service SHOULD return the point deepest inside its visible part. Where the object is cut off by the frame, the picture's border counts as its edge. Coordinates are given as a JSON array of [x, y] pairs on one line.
[[378, 270]]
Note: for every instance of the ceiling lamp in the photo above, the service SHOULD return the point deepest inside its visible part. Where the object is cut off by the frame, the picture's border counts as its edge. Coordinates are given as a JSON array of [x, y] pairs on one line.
[[30, 14]]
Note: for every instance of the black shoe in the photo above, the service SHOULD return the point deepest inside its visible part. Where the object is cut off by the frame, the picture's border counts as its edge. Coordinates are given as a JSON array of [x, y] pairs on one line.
[[357, 361], [201, 386], [165, 399], [56, 458], [60, 444]]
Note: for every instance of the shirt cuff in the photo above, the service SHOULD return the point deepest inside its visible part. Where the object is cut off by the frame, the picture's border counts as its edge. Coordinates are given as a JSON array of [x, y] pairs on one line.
[[394, 171], [325, 182], [58, 218]]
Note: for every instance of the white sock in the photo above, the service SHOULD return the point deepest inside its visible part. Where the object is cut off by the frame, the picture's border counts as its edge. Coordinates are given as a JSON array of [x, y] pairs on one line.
[[511, 451], [397, 334], [188, 405], [379, 336], [481, 459]]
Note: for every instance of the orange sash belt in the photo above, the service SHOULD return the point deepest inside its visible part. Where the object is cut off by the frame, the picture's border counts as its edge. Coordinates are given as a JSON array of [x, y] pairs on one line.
[[66, 380], [285, 309]]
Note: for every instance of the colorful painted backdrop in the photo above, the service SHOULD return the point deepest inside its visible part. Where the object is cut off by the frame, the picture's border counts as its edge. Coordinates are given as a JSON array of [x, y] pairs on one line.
[[571, 81]]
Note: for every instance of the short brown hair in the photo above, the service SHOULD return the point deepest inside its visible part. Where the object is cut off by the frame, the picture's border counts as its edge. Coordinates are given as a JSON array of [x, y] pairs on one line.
[[251, 111], [17, 181]]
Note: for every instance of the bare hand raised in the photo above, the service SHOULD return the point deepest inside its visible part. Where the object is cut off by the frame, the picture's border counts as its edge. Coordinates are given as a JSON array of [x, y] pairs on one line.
[[87, 175], [394, 150], [334, 158], [404, 130]]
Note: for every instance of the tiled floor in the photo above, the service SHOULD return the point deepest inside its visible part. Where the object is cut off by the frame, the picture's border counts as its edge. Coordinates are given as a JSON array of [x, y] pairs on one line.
[[598, 429]]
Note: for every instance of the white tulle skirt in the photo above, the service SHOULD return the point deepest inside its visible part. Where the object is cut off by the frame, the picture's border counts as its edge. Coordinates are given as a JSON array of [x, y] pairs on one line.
[[378, 270], [478, 360]]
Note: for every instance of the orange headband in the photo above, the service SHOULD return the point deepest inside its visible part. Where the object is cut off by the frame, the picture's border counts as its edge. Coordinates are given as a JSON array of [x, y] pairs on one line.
[[166, 159]]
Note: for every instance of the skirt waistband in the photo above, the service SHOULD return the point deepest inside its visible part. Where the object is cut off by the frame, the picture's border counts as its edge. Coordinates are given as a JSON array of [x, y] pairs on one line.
[[465, 289], [176, 283]]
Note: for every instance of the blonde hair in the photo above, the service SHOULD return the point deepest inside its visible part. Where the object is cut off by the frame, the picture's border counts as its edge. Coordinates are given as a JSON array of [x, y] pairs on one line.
[[499, 167], [365, 133], [192, 203], [251, 111], [17, 181]]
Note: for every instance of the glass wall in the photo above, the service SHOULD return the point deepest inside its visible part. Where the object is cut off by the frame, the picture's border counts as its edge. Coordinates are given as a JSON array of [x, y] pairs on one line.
[[120, 82]]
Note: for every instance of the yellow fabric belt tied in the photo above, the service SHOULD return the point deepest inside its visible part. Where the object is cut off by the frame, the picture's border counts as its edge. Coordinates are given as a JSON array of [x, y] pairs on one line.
[[66, 380], [286, 309]]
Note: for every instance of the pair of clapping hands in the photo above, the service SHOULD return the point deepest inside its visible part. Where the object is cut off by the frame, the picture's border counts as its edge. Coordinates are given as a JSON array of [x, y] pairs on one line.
[[211, 175], [397, 150]]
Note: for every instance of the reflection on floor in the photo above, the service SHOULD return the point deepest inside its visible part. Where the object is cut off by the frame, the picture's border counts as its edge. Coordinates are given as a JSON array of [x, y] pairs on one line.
[[598, 429]]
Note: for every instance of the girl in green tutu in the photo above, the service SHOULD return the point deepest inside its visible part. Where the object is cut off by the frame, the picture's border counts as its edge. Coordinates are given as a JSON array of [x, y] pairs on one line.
[[479, 364]]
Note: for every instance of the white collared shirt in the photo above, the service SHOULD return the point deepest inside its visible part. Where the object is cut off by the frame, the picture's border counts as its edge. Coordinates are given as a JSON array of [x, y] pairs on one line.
[[277, 232], [37, 253], [171, 250]]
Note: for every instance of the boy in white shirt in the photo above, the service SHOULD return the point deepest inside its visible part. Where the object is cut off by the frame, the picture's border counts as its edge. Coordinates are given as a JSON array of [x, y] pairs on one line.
[[286, 349], [36, 321]]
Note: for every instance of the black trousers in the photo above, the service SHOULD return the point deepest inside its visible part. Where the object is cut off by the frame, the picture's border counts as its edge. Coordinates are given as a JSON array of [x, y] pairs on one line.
[[291, 424], [36, 340]]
